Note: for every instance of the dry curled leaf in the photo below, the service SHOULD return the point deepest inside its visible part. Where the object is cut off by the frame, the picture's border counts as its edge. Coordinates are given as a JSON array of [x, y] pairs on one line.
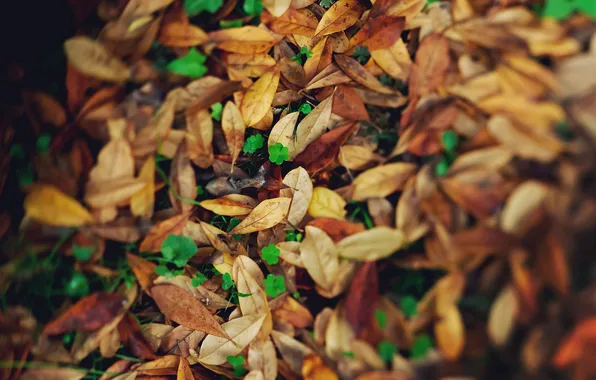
[[93, 59]]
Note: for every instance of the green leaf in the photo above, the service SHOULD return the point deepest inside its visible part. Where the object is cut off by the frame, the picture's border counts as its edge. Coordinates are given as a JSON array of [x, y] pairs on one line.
[[270, 254], [82, 253], [381, 318], [42, 145], [387, 350], [194, 7], [305, 108], [586, 6], [563, 131], [450, 140], [162, 270], [216, 111], [253, 143], [190, 65], [442, 167], [408, 305], [77, 285], [278, 153], [558, 9], [253, 7], [349, 354], [296, 295], [178, 249], [292, 235], [386, 79], [200, 190], [199, 279], [227, 281], [361, 54], [17, 151], [326, 3], [226, 24], [237, 363], [422, 344], [25, 175], [274, 285]]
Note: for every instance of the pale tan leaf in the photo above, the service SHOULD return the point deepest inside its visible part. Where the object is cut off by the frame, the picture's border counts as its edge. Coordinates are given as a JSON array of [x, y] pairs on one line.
[[341, 15], [326, 203], [283, 132], [114, 193], [320, 257], [230, 205], [154, 333], [215, 350], [353, 69], [522, 208], [233, 128], [450, 333], [256, 303], [91, 58], [339, 335], [381, 181], [371, 245], [502, 316], [182, 180], [277, 7], [182, 307], [292, 351], [261, 354], [142, 202], [49, 205], [312, 126], [266, 215], [199, 138], [299, 182], [355, 157], [290, 251], [258, 98], [243, 40], [320, 59], [52, 374]]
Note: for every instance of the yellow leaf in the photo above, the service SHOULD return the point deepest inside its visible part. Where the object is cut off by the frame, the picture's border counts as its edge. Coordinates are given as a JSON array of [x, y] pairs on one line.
[[326, 203], [266, 215], [355, 157], [244, 40], [371, 245], [319, 256], [141, 203], [341, 15], [91, 58], [230, 205], [320, 59], [300, 184], [215, 350], [314, 368], [395, 61], [115, 193], [48, 205], [450, 333], [312, 126], [178, 34], [199, 138], [258, 98], [184, 372], [381, 181], [233, 128]]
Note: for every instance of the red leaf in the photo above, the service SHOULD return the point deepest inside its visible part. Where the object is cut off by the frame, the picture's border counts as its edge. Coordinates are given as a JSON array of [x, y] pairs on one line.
[[362, 297], [321, 152], [89, 314]]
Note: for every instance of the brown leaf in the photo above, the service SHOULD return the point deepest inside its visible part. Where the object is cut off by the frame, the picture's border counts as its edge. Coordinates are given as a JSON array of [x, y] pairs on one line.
[[430, 66], [322, 152], [199, 138], [89, 314], [314, 368], [395, 60], [348, 104], [183, 308], [331, 75], [182, 180], [233, 127], [572, 347], [159, 232], [361, 298], [337, 229], [178, 34], [293, 73], [163, 366], [143, 270], [243, 40], [353, 69], [301, 22], [266, 215], [379, 33], [341, 15], [131, 335], [91, 58], [53, 374]]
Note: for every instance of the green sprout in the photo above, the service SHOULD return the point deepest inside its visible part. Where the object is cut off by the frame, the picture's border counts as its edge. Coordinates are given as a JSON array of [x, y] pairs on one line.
[[216, 111], [253, 7], [278, 153], [253, 143], [361, 54], [274, 285], [387, 351], [194, 7], [237, 362], [190, 65], [302, 55], [227, 281], [82, 253], [270, 254]]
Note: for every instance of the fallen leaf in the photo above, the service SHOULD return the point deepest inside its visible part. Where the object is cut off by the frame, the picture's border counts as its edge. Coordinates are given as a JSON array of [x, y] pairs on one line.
[[301, 22], [292, 351], [337, 229], [381, 181], [183, 181], [91, 58], [215, 350], [348, 104], [267, 214], [359, 74], [243, 40], [182, 307], [258, 98], [450, 333], [89, 314], [341, 15], [260, 353], [53, 374], [300, 184], [502, 316], [233, 128], [326, 203], [319, 257], [184, 372], [361, 298], [178, 34], [199, 138], [230, 205], [319, 60], [283, 132], [51, 206], [314, 368], [430, 66], [142, 202], [379, 32], [322, 152], [371, 245], [160, 231]]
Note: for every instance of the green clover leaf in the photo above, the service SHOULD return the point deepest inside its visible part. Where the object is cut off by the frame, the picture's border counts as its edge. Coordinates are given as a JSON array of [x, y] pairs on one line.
[[361, 54], [293, 235], [178, 249], [327, 3], [408, 305], [42, 145], [190, 65], [450, 140], [77, 285], [82, 253], [194, 7], [274, 285], [558, 9], [199, 279], [227, 24], [586, 6], [422, 344], [305, 108], [227, 281], [278, 153], [216, 111], [387, 350], [253, 143], [381, 318], [270, 254], [253, 7], [442, 167], [237, 363]]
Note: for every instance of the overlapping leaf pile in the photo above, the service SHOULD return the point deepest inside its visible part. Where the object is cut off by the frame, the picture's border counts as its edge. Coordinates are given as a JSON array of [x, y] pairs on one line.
[[350, 189]]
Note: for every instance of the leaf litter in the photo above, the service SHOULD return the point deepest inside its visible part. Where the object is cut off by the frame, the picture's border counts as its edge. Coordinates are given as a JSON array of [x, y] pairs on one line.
[[394, 189]]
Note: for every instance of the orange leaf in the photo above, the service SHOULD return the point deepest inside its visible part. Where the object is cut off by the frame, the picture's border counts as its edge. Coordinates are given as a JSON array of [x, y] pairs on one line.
[[337, 229], [51, 206], [244, 40], [572, 347], [159, 232], [341, 15], [379, 33], [348, 104], [359, 74], [301, 22], [430, 66], [320, 153], [184, 372], [143, 270], [177, 34]]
